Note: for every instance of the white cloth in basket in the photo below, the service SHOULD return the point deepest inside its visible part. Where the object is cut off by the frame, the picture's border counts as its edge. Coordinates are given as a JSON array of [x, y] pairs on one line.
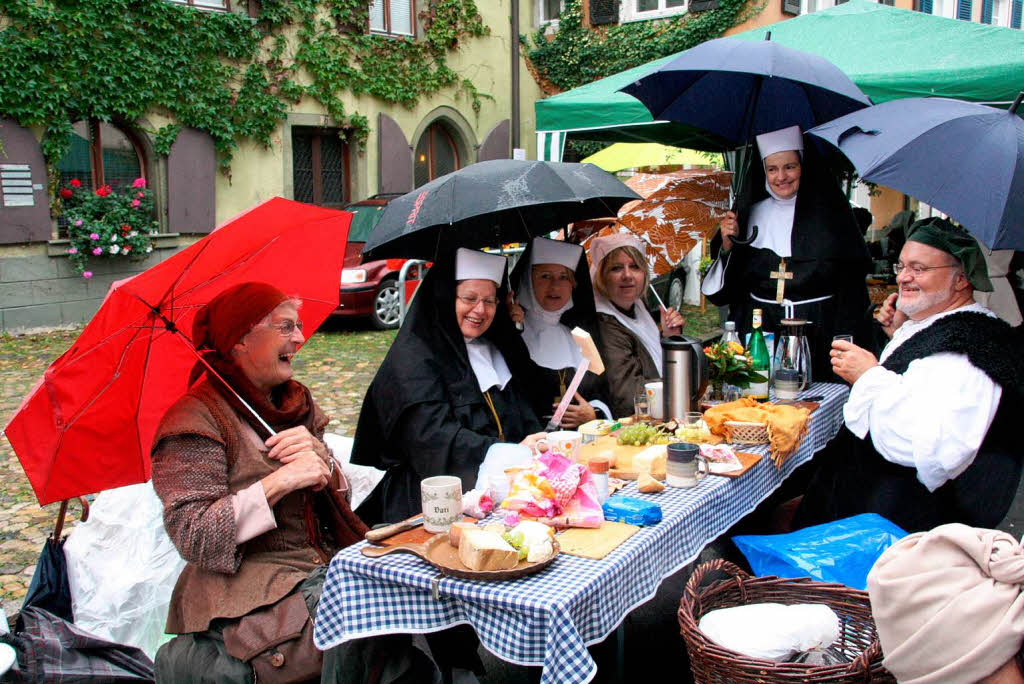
[[772, 630]]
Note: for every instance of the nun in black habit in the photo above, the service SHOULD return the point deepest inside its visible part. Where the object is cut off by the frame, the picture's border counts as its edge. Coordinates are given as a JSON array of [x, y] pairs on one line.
[[554, 294], [453, 384], [808, 239]]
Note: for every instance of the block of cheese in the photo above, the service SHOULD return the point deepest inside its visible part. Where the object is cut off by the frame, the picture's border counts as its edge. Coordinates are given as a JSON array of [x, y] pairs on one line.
[[589, 350], [651, 459], [484, 550]]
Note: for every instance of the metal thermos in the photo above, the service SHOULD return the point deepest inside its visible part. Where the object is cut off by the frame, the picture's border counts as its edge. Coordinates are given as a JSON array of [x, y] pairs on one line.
[[684, 375]]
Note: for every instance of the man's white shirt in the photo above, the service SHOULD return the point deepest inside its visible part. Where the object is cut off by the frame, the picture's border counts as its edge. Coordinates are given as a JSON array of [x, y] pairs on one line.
[[934, 416]]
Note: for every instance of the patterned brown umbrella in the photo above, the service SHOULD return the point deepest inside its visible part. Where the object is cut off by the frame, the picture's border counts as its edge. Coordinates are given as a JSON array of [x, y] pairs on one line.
[[679, 210]]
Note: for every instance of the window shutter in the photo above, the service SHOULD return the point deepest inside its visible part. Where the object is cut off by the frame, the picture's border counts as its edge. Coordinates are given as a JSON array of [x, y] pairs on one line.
[[702, 5], [377, 16], [1015, 14], [191, 180], [496, 143], [604, 12], [986, 11], [401, 17], [24, 211], [925, 6], [963, 10], [394, 166], [791, 6]]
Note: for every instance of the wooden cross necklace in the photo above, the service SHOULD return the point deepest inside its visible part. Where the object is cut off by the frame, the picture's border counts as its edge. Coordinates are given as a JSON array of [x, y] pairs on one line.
[[781, 276]]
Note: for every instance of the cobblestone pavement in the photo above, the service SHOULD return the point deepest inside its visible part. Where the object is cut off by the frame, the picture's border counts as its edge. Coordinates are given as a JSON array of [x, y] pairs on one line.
[[337, 363]]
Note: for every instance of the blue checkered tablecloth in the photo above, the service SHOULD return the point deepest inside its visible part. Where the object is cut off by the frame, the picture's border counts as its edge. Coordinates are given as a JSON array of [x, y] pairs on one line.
[[550, 618]]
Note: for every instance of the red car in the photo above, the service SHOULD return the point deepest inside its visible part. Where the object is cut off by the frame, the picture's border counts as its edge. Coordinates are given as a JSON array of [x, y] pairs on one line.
[[370, 288]]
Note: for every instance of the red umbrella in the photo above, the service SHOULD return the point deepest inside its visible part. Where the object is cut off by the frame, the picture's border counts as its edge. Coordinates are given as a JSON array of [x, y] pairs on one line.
[[89, 423]]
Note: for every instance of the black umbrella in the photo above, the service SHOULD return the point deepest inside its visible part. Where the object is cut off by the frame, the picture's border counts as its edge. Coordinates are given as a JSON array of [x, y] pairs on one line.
[[494, 202]]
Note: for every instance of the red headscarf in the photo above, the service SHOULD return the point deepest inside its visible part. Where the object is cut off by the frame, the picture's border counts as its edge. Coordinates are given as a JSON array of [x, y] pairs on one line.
[[226, 318]]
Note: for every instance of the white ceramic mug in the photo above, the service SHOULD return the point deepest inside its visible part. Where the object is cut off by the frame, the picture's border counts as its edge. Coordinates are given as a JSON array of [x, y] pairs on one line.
[[566, 441], [442, 502], [654, 398]]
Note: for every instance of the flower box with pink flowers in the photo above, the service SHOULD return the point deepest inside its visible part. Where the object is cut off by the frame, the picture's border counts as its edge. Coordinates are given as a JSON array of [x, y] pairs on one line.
[[105, 223]]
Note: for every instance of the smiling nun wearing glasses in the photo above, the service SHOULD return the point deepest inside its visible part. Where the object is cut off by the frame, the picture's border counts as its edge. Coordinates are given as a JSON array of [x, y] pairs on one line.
[[456, 381]]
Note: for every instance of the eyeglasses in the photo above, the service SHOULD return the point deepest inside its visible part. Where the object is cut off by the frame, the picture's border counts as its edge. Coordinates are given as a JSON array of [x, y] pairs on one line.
[[472, 300], [917, 269], [286, 328]]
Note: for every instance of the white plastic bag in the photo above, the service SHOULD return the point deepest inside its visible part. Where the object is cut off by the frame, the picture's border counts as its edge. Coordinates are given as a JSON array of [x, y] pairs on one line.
[[122, 568], [491, 473], [361, 479], [772, 630]]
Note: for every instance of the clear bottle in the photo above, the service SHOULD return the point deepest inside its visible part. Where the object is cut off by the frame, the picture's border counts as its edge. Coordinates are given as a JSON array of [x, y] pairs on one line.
[[759, 355], [598, 468], [730, 333]]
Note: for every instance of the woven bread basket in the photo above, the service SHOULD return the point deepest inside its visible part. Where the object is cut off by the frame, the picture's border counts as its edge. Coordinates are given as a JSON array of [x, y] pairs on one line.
[[737, 432], [858, 639]]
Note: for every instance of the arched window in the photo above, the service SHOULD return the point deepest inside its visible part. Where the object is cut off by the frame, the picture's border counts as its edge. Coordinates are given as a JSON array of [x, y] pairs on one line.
[[436, 154], [101, 154]]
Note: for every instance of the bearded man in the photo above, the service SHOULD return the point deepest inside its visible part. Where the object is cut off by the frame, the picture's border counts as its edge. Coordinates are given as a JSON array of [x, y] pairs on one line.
[[929, 435]]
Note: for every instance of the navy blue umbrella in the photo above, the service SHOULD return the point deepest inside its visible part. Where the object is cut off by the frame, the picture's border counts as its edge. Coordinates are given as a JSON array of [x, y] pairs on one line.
[[738, 89], [965, 159]]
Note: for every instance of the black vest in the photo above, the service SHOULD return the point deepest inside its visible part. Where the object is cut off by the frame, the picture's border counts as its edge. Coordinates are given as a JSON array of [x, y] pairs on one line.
[[854, 478]]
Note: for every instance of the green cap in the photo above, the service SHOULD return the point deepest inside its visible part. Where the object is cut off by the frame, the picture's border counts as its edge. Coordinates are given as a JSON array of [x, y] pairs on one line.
[[942, 234]]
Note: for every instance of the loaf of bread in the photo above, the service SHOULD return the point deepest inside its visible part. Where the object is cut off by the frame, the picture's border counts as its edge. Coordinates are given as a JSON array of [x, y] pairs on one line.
[[485, 550], [456, 530]]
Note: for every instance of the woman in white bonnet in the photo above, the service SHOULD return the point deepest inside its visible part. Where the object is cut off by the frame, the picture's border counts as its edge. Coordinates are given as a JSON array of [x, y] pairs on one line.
[[803, 217], [554, 295], [630, 339], [949, 607]]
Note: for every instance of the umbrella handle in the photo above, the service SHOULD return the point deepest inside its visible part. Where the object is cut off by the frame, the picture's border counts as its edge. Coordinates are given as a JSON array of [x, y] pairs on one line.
[[58, 526], [743, 242]]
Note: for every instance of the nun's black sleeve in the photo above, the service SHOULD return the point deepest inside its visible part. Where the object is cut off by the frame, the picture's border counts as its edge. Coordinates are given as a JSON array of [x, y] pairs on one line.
[[438, 444]]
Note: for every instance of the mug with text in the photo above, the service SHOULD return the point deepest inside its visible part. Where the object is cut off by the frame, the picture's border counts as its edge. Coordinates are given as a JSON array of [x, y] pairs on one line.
[[442, 502]]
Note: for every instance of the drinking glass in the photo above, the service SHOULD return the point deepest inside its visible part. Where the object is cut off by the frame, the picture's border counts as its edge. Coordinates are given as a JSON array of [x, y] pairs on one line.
[[692, 428], [843, 338], [642, 405]]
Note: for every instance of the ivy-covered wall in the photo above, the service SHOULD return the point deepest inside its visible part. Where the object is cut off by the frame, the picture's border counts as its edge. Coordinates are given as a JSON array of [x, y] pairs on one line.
[[222, 73], [155, 67], [580, 54]]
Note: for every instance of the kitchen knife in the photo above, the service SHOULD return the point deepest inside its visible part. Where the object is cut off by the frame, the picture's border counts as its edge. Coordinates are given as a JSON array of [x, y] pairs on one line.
[[379, 534]]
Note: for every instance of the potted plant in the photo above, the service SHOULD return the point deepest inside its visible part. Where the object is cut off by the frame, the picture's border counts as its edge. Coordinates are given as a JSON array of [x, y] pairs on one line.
[[729, 364], [108, 224]]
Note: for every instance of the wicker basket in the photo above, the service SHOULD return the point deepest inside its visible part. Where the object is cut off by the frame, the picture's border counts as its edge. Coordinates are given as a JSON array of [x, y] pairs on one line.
[[713, 663], [737, 432]]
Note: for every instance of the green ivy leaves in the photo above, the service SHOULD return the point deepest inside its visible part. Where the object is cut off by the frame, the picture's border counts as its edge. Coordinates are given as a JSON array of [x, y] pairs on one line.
[[579, 55], [222, 73]]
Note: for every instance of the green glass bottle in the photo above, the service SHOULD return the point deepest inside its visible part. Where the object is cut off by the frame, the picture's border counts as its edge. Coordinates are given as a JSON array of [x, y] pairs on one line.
[[759, 355]]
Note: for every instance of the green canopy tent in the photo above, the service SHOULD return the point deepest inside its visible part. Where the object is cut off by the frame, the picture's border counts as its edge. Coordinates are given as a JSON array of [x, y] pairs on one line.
[[889, 53]]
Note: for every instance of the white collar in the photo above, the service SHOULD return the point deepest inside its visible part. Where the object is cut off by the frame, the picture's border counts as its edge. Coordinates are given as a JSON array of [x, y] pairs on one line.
[[550, 343], [911, 327], [488, 364], [642, 325]]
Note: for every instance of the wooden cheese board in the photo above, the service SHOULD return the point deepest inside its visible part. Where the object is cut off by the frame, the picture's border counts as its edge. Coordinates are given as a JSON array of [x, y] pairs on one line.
[[438, 552], [748, 460]]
